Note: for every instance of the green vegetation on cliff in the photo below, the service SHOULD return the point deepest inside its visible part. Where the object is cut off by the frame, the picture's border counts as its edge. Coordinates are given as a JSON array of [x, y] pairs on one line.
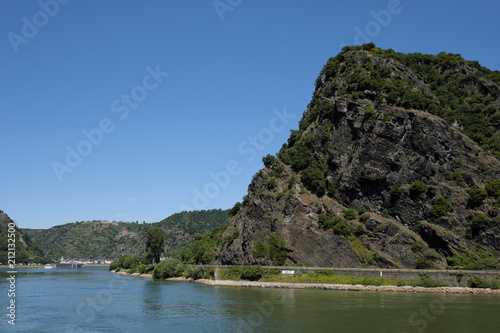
[[445, 85]]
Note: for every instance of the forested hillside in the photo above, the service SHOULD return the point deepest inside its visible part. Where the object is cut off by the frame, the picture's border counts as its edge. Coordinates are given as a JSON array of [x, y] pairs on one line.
[[25, 250], [112, 239]]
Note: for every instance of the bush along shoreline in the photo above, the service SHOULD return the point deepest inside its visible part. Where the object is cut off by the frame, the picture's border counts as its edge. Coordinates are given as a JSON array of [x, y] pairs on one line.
[[166, 269], [258, 276]]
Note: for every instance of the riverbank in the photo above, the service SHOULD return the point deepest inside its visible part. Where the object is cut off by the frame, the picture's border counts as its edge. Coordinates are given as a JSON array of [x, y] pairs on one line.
[[42, 266], [23, 266], [328, 286]]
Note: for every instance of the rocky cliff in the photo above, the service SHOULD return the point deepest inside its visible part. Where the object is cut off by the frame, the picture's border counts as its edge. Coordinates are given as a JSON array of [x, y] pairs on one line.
[[393, 165]]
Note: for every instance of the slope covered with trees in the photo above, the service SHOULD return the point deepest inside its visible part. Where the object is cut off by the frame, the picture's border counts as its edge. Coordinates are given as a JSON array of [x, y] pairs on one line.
[[25, 250], [95, 239]]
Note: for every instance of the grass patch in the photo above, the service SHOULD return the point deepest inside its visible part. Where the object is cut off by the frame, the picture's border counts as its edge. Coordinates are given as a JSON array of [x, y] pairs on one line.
[[473, 259], [364, 255], [252, 273], [477, 282], [331, 278]]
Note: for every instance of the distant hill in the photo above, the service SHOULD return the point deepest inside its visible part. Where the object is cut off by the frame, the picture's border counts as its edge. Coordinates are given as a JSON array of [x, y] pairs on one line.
[[112, 239], [25, 250], [181, 227]]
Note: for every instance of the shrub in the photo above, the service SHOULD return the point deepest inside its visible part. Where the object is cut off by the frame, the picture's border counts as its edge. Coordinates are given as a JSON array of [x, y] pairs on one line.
[[358, 95], [325, 221], [478, 223], [280, 195], [314, 180], [268, 160], [232, 273], [291, 182], [209, 273], [271, 184], [361, 210], [363, 218], [145, 269], [224, 241], [114, 265], [473, 259], [198, 273], [477, 282], [187, 271], [342, 227], [126, 262], [359, 230], [417, 248], [456, 176], [278, 170], [431, 254], [417, 188], [338, 224], [331, 189], [350, 214], [493, 188], [325, 134], [427, 283], [300, 157], [441, 208], [423, 263], [277, 249], [476, 196], [260, 250], [236, 208], [251, 273], [284, 155], [167, 269], [369, 112]]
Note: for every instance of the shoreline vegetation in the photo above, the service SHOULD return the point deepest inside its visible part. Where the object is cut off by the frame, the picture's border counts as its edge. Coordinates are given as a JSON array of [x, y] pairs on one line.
[[42, 266], [324, 286]]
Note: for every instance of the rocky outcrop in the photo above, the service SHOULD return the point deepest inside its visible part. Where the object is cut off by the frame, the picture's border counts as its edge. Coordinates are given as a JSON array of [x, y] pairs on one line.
[[404, 173]]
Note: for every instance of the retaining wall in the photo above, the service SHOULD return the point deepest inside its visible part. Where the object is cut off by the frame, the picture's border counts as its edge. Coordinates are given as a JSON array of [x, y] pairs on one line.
[[456, 278]]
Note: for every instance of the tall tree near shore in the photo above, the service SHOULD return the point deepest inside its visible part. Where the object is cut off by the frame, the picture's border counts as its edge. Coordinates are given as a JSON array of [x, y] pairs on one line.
[[154, 244]]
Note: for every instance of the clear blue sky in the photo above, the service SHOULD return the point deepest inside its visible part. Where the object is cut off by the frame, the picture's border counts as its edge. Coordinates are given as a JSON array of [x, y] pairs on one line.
[[172, 91]]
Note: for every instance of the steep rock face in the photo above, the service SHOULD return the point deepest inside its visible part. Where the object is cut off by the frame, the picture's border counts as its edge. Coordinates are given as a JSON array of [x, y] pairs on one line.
[[411, 171], [292, 220]]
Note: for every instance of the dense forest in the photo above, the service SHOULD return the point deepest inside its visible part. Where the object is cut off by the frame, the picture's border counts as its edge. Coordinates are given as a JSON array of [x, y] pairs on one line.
[[25, 249], [98, 240]]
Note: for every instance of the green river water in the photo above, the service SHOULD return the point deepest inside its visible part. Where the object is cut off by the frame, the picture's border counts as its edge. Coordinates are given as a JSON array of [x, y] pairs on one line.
[[93, 300]]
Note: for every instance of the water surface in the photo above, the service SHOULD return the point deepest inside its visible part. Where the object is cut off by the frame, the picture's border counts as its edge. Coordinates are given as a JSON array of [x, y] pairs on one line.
[[93, 300]]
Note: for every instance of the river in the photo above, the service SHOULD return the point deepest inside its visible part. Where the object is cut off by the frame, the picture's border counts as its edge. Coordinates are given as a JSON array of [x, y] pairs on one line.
[[93, 300]]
